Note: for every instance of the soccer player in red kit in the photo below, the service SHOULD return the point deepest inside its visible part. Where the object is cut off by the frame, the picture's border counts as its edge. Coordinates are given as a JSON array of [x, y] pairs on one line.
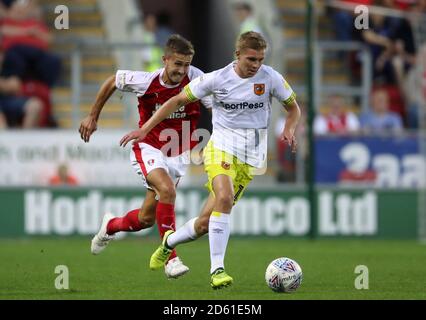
[[159, 163]]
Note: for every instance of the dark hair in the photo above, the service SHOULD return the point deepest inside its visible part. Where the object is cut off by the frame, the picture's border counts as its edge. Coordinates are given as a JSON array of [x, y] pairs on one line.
[[178, 44], [250, 40]]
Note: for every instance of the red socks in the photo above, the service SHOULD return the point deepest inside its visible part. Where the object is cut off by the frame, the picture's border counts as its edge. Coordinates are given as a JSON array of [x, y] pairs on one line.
[[166, 220], [129, 223]]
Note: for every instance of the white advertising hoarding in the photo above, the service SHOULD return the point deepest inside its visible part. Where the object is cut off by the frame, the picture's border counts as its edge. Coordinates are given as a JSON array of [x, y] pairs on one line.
[[33, 157]]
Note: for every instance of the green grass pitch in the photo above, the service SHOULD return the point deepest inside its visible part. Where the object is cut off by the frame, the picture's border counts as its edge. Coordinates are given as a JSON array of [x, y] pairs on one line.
[[27, 269]]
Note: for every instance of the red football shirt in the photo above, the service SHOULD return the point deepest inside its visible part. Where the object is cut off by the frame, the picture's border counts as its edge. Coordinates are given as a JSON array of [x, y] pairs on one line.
[[172, 135]]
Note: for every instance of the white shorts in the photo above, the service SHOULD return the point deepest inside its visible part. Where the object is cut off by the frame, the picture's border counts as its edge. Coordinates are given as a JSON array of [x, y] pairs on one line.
[[145, 158]]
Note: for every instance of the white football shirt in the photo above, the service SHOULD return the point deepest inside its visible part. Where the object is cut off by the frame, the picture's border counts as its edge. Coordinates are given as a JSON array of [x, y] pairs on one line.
[[241, 109]]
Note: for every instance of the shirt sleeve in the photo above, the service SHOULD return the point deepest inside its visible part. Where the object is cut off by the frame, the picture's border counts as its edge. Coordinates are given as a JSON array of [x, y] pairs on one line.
[[193, 74], [207, 102], [200, 87], [281, 89], [133, 81]]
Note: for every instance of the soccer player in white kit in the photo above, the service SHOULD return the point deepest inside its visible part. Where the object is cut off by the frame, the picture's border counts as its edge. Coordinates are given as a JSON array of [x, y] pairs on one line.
[[242, 93], [158, 163]]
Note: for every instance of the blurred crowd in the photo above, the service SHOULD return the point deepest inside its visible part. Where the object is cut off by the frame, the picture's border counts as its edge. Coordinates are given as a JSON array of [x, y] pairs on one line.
[[398, 66], [156, 31], [28, 70], [396, 39]]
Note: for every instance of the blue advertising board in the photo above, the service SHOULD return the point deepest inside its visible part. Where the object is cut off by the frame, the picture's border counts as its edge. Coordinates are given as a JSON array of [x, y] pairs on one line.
[[382, 161]]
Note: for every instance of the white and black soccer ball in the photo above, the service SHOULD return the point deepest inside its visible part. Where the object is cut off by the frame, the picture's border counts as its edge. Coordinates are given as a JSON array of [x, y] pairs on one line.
[[283, 275]]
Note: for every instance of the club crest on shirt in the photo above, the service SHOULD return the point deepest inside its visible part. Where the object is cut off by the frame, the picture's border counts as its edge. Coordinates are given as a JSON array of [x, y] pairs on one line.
[[225, 165], [151, 162], [259, 88]]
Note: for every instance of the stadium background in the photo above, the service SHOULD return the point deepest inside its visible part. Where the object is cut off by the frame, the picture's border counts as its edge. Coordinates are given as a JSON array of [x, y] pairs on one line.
[[366, 187]]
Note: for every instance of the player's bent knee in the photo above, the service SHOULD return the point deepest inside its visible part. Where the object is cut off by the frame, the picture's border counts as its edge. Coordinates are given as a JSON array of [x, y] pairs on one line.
[[167, 192], [225, 200]]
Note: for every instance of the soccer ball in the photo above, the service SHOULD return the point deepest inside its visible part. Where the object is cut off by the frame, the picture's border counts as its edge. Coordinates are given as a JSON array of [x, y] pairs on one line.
[[283, 275]]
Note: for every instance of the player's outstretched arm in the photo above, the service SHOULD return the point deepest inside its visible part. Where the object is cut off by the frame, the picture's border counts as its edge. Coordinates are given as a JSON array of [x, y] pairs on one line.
[[291, 122], [89, 123], [167, 109]]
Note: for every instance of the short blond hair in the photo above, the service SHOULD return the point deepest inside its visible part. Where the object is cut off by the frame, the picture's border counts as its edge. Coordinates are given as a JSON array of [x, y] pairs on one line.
[[251, 40]]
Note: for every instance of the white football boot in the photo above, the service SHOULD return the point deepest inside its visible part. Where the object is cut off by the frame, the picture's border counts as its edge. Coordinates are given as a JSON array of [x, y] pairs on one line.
[[175, 268], [101, 239]]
